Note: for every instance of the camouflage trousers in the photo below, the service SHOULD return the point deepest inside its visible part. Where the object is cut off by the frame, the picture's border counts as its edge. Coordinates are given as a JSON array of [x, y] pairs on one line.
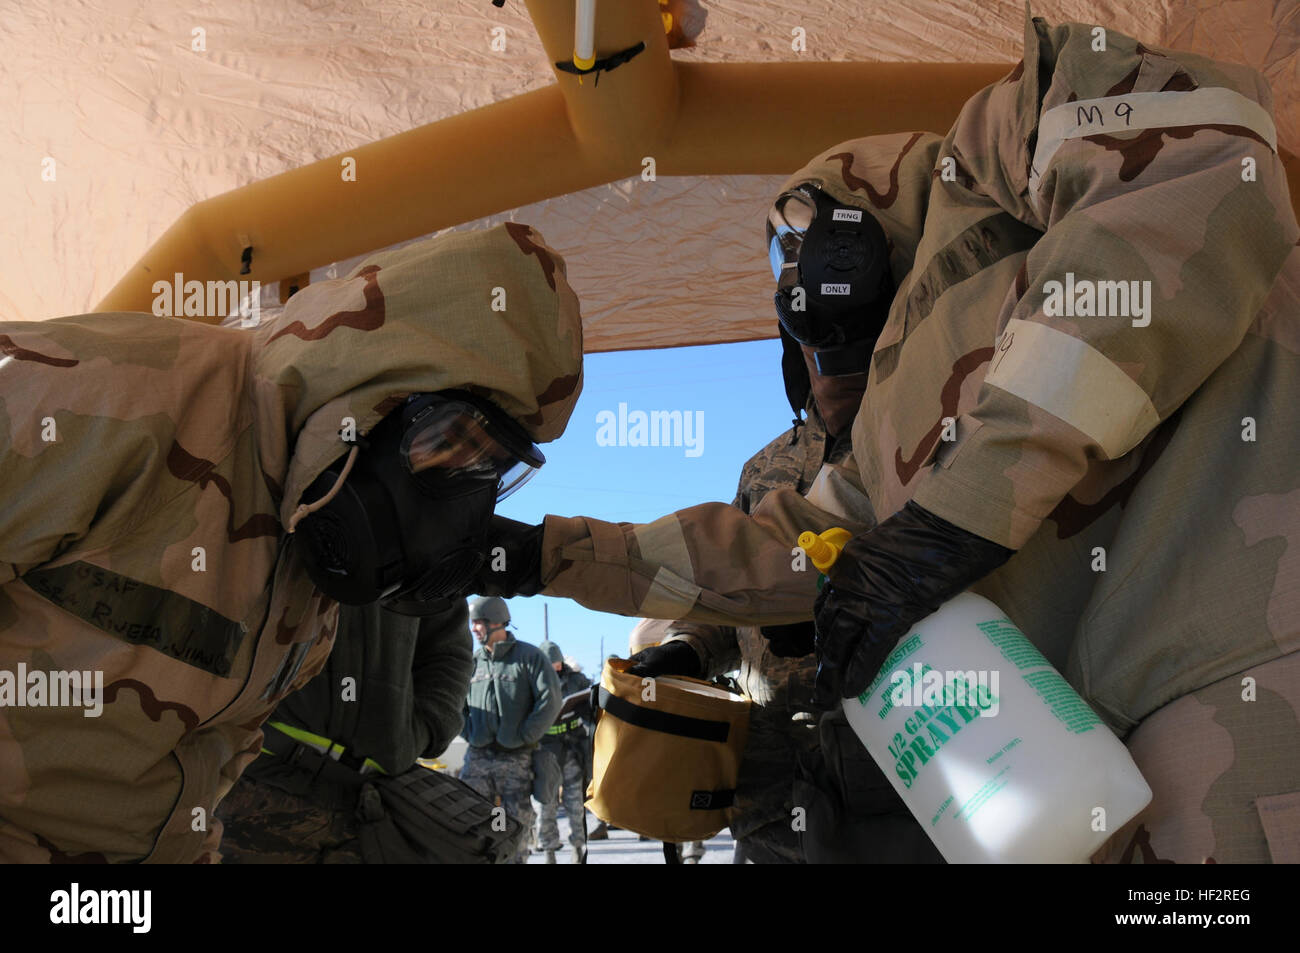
[[573, 787], [1224, 767], [265, 825], [507, 775]]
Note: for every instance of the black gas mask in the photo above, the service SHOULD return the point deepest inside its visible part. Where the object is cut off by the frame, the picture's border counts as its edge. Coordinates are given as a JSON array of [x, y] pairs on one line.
[[408, 526], [836, 259]]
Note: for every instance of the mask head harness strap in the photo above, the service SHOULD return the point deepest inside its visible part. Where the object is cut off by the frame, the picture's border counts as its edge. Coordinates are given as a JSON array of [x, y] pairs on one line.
[[306, 509]]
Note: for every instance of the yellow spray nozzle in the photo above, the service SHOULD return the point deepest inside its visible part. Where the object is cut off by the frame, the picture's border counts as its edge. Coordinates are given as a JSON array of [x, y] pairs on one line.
[[824, 548]]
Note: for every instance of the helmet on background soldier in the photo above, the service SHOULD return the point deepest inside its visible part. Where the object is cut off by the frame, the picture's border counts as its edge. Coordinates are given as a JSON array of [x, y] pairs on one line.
[[490, 609]]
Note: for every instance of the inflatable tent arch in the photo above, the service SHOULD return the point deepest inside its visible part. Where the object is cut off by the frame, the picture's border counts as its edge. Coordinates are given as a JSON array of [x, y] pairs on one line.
[[712, 124]]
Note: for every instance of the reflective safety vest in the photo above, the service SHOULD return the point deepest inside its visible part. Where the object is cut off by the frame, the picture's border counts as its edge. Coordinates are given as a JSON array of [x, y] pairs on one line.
[[564, 727], [325, 747]]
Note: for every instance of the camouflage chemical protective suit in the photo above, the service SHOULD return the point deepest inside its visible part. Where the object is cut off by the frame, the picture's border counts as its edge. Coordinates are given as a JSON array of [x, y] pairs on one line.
[[1145, 467], [148, 467]]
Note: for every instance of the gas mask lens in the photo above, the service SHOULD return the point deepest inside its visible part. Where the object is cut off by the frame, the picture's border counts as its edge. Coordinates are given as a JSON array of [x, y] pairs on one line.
[[514, 478], [463, 440], [789, 218]]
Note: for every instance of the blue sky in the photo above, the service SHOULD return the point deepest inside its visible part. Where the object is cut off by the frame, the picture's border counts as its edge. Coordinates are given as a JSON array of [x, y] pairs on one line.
[[738, 390]]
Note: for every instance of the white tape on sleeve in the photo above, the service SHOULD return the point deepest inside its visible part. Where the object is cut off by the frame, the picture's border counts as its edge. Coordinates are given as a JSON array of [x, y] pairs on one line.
[[1110, 115], [1075, 382]]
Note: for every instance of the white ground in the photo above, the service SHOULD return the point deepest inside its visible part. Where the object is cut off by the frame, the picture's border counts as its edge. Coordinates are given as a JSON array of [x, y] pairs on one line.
[[624, 848]]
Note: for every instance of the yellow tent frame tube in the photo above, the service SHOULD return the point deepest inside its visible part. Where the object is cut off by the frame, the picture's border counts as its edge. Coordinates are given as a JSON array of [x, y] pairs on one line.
[[456, 170], [478, 163], [633, 105], [691, 118], [757, 118]]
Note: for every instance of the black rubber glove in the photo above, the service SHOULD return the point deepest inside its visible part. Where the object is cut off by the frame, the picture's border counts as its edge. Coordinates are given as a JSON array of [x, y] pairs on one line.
[[790, 641], [884, 582], [518, 570], [669, 658]]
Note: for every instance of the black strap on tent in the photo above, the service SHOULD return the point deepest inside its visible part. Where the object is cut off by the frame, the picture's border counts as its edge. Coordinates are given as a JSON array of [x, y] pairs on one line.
[[613, 61], [682, 725]]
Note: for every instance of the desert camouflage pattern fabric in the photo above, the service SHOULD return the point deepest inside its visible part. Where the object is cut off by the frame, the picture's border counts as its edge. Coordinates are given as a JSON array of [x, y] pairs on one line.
[[1224, 774], [1166, 449], [791, 461], [132, 447]]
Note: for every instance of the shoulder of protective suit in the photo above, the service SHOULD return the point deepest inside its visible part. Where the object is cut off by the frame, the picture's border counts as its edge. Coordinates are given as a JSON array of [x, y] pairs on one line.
[[1083, 81]]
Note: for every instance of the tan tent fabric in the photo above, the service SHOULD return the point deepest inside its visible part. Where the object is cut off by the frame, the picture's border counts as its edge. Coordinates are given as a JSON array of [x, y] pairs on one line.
[[141, 127]]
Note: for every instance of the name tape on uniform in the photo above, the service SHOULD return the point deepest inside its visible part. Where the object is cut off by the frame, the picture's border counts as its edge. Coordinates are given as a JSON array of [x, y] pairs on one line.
[[1116, 114]]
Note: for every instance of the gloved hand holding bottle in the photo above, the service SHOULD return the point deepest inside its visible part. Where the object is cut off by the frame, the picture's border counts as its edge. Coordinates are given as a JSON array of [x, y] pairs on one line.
[[884, 582]]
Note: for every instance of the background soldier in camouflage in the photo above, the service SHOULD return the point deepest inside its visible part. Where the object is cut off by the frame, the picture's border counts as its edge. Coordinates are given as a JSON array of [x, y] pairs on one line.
[[514, 696], [569, 742], [149, 469], [1140, 466]]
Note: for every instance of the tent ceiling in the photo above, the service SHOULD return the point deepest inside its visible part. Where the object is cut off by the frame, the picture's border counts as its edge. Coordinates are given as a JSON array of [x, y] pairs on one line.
[[141, 127]]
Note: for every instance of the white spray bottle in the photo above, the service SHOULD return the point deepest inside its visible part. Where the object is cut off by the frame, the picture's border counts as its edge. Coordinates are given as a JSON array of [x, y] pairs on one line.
[[998, 758]]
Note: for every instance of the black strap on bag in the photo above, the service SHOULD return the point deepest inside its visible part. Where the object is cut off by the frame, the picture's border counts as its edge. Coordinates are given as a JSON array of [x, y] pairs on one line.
[[684, 726], [427, 817]]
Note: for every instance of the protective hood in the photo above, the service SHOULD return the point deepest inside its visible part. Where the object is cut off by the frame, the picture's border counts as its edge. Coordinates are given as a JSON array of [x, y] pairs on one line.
[[879, 174], [486, 311], [148, 465]]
